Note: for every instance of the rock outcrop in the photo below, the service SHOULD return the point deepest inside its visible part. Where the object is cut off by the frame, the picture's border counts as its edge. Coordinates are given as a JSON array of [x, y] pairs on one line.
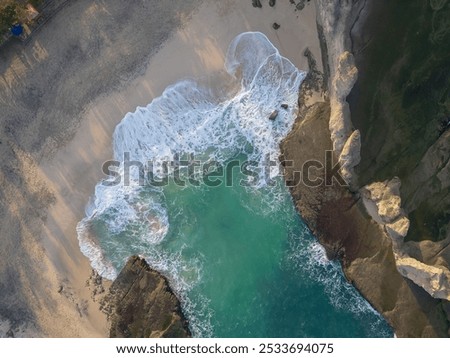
[[350, 157], [404, 129], [141, 304], [386, 196], [433, 279], [256, 3]]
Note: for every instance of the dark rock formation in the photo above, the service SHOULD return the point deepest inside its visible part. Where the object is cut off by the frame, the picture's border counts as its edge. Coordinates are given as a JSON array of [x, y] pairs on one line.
[[284, 106], [273, 115], [256, 3], [272, 3], [276, 26], [142, 304], [301, 5]]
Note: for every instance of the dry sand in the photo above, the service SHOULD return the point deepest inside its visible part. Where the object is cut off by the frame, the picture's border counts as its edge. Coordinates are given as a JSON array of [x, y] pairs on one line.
[[45, 184]]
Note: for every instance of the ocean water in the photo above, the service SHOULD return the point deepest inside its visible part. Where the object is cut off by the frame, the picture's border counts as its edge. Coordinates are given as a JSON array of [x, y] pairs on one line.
[[235, 251]]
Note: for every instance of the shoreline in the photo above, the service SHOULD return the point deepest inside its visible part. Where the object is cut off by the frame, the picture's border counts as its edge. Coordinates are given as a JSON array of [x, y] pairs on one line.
[[67, 175]]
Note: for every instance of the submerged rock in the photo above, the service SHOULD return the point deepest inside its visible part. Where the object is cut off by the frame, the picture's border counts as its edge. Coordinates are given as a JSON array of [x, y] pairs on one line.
[[284, 106], [143, 305]]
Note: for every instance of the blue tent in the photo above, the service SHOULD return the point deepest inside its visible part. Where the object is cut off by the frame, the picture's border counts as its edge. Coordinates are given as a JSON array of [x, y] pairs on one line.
[[17, 30]]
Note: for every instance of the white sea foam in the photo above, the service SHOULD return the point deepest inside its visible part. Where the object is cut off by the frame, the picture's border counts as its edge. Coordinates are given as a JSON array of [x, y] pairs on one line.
[[309, 257], [184, 275], [190, 118]]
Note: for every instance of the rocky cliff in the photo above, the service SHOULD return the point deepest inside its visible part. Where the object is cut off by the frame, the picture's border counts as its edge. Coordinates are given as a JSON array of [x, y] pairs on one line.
[[404, 120], [362, 219], [340, 221], [141, 304]]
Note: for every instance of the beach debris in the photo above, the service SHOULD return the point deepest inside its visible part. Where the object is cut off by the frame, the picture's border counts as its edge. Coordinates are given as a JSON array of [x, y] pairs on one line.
[[276, 26], [273, 115], [256, 3], [284, 106], [272, 3]]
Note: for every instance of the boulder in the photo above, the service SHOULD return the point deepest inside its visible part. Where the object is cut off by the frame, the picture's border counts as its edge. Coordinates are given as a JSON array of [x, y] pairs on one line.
[[256, 3], [342, 83], [398, 229], [273, 115], [433, 279], [350, 156]]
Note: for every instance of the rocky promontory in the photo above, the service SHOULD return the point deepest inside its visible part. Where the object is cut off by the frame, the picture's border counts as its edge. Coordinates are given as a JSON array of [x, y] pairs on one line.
[[141, 304]]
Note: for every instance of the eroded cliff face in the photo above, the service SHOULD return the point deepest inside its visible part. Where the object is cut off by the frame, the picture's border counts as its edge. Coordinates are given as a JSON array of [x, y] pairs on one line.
[[365, 223], [141, 304], [334, 19]]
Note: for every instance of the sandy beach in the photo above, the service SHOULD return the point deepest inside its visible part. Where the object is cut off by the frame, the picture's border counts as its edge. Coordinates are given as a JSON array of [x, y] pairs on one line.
[[62, 96]]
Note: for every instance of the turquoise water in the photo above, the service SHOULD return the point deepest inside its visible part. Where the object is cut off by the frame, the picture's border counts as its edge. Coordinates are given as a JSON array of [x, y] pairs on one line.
[[263, 274], [240, 258]]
